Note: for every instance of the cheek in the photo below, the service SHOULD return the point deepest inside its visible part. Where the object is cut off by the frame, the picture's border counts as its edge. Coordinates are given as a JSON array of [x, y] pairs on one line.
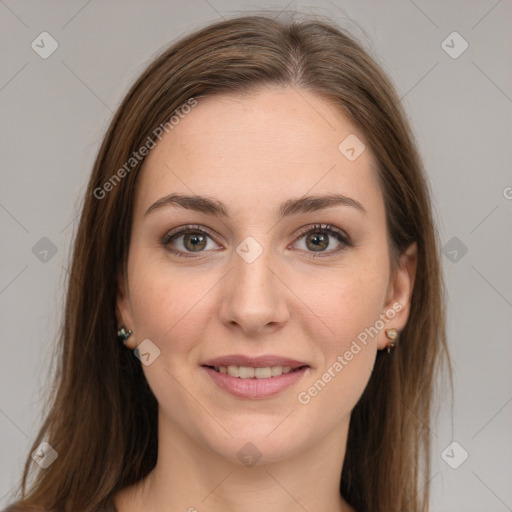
[[347, 309], [168, 304], [348, 301]]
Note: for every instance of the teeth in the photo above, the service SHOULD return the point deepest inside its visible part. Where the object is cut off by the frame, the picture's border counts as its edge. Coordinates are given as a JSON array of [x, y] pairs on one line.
[[233, 371], [262, 373], [276, 370], [247, 372]]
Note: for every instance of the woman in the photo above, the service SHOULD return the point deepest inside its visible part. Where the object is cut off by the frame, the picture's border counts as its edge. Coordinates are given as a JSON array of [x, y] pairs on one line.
[[255, 312]]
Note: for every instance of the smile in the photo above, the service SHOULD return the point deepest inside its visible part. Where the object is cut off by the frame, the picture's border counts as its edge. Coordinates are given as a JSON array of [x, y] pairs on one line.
[[248, 372], [255, 383]]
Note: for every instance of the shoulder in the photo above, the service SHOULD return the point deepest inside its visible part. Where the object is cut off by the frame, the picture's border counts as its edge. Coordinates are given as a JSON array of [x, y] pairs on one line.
[[22, 508], [26, 508]]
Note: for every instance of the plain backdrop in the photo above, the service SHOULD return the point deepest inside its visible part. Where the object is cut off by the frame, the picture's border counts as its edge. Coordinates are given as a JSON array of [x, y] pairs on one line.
[[55, 111]]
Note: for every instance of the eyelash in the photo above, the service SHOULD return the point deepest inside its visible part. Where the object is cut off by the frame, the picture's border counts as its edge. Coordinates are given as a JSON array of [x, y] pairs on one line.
[[327, 229]]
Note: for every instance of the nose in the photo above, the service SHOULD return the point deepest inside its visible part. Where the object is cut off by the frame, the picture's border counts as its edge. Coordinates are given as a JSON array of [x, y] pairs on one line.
[[254, 297]]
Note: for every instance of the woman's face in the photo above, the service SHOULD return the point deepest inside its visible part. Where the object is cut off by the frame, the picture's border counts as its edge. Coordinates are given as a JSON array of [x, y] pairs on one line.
[[247, 282]]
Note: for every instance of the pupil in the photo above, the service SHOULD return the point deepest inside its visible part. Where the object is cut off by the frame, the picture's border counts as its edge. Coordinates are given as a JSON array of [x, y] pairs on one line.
[[195, 242], [319, 240]]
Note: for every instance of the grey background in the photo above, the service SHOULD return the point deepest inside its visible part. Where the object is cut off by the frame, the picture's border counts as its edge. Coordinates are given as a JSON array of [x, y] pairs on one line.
[[55, 112]]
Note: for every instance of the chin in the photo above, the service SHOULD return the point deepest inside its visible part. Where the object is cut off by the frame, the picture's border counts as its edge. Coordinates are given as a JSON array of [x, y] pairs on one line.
[[257, 442]]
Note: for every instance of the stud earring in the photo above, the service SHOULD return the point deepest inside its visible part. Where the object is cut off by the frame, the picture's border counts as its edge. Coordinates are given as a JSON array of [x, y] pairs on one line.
[[392, 335], [123, 334]]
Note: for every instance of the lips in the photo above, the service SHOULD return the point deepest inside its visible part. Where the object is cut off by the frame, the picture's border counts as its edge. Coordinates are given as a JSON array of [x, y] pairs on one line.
[[255, 377]]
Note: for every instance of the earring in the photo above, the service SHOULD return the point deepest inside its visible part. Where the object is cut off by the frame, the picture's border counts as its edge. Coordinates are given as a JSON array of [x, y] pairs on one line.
[[392, 335], [123, 334]]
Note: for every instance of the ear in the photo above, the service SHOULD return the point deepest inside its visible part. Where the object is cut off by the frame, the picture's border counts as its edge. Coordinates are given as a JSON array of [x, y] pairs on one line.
[[123, 309], [398, 300]]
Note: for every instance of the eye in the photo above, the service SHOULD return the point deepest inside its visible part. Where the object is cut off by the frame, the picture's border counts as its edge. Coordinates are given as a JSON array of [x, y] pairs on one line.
[[183, 242], [316, 240], [193, 239]]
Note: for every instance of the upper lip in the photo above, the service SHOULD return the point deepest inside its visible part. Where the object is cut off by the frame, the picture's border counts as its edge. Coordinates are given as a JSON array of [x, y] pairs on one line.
[[254, 362]]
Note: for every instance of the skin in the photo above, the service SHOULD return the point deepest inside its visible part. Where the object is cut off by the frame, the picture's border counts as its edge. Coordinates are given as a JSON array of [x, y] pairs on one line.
[[252, 153]]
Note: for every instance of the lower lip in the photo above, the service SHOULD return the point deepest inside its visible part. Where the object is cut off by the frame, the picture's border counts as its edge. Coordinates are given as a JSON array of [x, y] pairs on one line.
[[255, 388]]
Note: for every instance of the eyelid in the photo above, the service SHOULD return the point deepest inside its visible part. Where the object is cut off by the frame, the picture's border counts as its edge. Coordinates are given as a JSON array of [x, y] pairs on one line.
[[343, 238], [183, 230], [325, 228]]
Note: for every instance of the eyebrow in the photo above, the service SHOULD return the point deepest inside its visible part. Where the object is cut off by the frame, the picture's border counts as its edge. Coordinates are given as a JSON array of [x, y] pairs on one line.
[[288, 208]]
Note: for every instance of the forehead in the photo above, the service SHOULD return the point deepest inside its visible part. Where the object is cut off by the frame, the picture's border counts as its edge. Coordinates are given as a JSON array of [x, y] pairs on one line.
[[252, 148]]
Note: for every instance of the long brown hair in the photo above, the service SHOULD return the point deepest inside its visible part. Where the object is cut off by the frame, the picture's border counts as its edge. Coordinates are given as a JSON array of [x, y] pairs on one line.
[[102, 419]]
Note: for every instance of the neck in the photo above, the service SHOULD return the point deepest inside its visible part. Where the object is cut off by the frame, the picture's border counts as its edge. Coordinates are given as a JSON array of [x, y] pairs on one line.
[[191, 477]]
